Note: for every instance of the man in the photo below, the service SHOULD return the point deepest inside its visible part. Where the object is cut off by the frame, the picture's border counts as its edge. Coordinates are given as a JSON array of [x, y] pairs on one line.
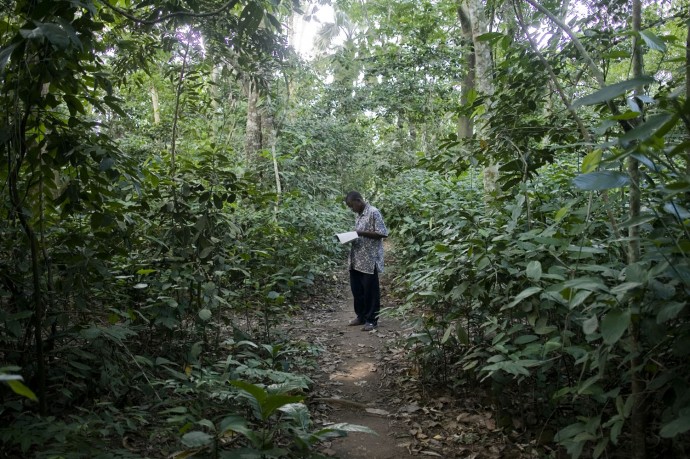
[[366, 261]]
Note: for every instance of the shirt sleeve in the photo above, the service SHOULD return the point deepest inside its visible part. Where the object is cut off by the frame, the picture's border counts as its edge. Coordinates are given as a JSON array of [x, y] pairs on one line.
[[379, 226]]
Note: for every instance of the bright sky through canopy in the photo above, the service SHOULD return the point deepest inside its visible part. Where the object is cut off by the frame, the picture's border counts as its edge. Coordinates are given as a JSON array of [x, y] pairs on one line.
[[305, 31]]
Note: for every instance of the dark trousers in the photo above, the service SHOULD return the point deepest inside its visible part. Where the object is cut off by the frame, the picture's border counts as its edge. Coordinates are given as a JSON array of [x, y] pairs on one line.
[[367, 295]]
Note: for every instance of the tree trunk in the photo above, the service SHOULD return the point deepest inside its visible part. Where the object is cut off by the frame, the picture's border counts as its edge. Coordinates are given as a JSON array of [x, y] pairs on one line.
[[638, 423], [155, 105], [687, 89], [483, 81], [253, 142], [465, 124], [482, 51]]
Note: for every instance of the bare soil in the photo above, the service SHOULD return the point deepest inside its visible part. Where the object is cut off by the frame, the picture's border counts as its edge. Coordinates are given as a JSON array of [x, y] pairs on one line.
[[364, 378], [351, 381]]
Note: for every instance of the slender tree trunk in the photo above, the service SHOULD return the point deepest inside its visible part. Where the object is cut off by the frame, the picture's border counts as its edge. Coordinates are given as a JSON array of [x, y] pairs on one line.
[[482, 51], [687, 90], [465, 124], [253, 142], [638, 422], [155, 105], [483, 82], [37, 294], [176, 114], [271, 139]]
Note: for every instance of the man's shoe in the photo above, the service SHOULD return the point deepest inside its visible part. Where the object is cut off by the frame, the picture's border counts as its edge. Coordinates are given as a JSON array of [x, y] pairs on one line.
[[355, 321], [368, 327]]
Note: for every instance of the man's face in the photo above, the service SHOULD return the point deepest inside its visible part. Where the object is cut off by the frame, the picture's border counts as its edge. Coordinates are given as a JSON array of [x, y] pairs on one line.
[[355, 205]]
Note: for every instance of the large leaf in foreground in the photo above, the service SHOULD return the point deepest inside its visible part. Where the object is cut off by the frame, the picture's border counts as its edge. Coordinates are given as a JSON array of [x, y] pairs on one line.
[[602, 180]]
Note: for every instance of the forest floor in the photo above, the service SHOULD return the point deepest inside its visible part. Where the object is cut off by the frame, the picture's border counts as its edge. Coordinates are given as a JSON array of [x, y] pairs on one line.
[[364, 378]]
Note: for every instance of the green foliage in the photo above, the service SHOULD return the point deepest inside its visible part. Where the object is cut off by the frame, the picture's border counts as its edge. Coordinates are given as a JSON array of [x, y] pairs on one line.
[[126, 257], [544, 302]]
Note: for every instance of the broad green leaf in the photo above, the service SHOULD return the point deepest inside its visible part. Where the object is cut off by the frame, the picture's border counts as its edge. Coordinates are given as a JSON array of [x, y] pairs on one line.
[[463, 337], [590, 325], [526, 293], [490, 36], [591, 161], [653, 41], [645, 130], [612, 91], [678, 426], [570, 431], [637, 221], [276, 401], [197, 439], [533, 270], [586, 283], [256, 392], [516, 368], [669, 311], [562, 212], [234, 423], [5, 55], [250, 18], [20, 389], [625, 287], [600, 448], [677, 210], [299, 413], [602, 180], [613, 325], [446, 335], [579, 298], [205, 314], [525, 339]]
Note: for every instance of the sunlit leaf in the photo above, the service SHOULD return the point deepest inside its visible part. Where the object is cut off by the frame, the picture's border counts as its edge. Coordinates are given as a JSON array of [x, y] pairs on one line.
[[20, 389], [653, 41], [591, 161]]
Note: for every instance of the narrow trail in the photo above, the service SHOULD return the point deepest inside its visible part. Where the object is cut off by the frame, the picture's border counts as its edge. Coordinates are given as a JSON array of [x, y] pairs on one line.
[[364, 378], [351, 383]]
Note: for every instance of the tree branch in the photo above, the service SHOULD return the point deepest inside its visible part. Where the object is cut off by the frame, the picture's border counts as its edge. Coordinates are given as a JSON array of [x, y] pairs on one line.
[[596, 71], [134, 18]]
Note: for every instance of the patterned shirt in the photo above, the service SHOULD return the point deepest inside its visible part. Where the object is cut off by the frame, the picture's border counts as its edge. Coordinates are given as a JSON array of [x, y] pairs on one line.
[[367, 253]]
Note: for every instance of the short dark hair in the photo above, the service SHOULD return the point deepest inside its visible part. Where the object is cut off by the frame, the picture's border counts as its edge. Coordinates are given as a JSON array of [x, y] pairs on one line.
[[353, 196]]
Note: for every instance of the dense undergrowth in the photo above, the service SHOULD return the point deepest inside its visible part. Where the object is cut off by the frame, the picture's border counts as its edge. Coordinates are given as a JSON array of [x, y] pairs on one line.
[[529, 296], [155, 340]]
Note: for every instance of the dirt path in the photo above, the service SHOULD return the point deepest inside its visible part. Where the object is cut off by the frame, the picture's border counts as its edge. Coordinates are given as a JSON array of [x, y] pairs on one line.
[[351, 381], [364, 378]]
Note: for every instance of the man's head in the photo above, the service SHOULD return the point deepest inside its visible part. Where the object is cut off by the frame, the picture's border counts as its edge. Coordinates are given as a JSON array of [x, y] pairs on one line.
[[355, 202]]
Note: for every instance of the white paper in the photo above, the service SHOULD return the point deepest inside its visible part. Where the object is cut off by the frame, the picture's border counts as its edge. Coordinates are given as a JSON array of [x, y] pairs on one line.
[[346, 237]]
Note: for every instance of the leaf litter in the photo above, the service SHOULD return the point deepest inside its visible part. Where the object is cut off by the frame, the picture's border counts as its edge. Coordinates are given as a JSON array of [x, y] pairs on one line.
[[365, 375]]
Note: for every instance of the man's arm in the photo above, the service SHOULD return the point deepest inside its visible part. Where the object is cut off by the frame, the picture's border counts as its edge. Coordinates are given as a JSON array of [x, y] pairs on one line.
[[370, 234]]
